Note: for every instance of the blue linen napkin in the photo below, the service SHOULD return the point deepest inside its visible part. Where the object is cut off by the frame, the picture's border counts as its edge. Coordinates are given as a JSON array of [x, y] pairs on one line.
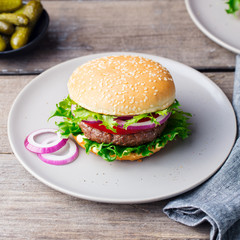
[[217, 200]]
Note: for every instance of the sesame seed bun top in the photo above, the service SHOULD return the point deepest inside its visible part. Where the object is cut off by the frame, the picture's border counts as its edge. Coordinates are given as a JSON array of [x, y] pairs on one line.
[[122, 85]]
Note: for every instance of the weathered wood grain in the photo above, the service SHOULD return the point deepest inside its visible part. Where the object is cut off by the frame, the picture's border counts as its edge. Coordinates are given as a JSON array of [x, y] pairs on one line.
[[79, 28], [31, 210]]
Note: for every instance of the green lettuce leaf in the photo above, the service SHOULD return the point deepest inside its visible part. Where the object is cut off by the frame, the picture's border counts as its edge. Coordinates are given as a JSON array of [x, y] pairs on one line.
[[77, 114], [177, 126], [68, 127], [233, 6], [72, 116], [137, 118]]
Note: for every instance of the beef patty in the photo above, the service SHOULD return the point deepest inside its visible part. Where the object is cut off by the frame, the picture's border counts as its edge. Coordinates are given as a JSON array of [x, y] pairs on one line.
[[134, 139]]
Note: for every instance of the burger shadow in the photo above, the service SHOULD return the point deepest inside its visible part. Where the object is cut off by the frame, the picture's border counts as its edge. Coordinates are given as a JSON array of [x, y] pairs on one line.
[[178, 144], [175, 146], [167, 151]]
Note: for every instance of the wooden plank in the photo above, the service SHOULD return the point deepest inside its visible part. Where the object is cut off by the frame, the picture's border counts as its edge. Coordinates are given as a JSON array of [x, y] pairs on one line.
[[79, 28], [10, 86], [31, 210]]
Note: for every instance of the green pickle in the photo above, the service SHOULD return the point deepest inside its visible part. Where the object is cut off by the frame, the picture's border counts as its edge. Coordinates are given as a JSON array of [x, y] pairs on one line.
[[6, 28], [10, 5], [21, 35], [16, 19], [20, 10], [4, 41]]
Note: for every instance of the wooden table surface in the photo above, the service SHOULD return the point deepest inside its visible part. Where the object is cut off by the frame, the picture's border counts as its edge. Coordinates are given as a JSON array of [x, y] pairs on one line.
[[31, 210]]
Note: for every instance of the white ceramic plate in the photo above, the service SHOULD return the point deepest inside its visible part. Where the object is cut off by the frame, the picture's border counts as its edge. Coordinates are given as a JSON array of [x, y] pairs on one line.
[[211, 18], [179, 167]]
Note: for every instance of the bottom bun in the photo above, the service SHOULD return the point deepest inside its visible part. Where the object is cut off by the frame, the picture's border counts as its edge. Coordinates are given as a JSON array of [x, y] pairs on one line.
[[129, 157]]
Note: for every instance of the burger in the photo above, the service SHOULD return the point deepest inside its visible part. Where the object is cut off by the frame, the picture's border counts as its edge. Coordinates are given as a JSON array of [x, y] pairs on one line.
[[121, 107]]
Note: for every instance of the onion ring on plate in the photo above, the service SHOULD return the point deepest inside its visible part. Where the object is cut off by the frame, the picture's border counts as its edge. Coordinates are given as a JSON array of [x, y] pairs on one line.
[[48, 147], [65, 155]]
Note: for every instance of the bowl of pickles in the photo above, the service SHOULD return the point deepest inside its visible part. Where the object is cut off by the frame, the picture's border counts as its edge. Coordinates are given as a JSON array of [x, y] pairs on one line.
[[22, 25]]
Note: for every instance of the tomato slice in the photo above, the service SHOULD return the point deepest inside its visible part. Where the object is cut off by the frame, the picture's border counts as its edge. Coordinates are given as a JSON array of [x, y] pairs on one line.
[[119, 131]]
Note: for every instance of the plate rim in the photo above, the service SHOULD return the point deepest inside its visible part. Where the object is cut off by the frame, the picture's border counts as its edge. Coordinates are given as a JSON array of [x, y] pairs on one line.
[[107, 199], [208, 33]]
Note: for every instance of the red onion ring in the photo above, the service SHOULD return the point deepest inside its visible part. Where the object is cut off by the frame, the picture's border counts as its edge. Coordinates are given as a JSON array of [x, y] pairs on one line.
[[65, 155], [139, 126], [54, 143], [144, 125], [125, 117], [92, 121]]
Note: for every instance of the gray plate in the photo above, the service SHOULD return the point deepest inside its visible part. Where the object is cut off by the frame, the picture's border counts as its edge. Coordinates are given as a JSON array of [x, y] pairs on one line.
[[180, 166], [211, 18]]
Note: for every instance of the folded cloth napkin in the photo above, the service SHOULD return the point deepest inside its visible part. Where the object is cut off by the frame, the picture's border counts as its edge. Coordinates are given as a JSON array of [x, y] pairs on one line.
[[216, 201]]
